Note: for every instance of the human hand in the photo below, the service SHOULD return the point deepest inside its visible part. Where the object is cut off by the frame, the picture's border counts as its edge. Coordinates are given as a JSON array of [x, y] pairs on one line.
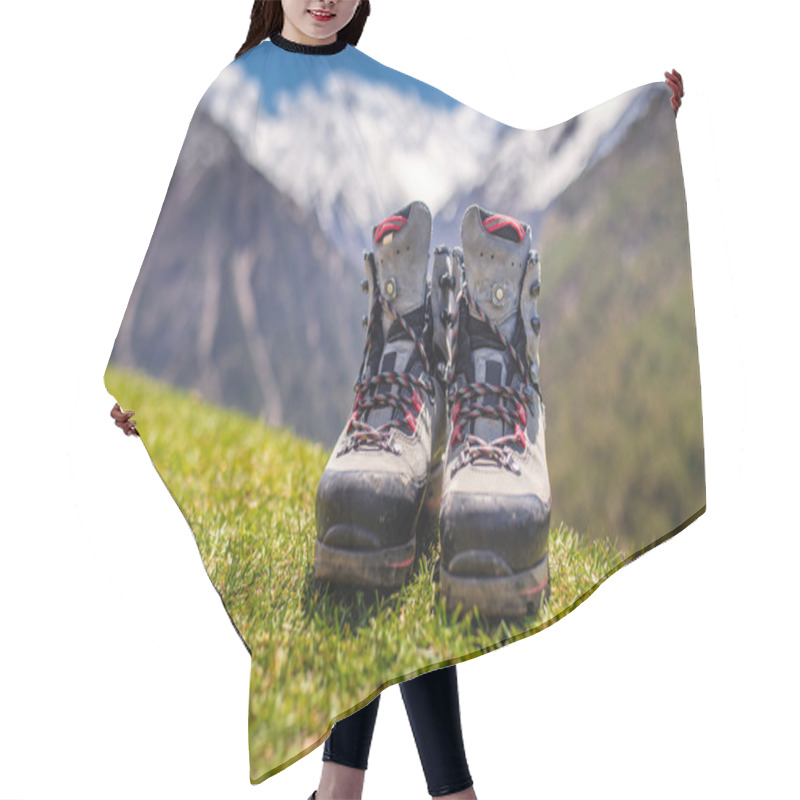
[[122, 419], [675, 82]]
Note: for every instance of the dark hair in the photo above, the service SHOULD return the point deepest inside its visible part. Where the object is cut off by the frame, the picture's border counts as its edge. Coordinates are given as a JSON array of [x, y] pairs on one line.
[[266, 19]]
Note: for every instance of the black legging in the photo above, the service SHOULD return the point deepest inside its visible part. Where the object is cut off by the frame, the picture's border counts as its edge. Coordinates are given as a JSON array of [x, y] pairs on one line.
[[433, 711]]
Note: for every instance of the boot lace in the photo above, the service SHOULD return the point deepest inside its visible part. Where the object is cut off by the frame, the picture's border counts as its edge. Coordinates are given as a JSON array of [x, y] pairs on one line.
[[361, 433], [466, 408]]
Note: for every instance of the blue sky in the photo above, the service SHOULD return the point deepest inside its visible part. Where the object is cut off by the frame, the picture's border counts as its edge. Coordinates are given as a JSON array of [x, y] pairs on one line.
[[296, 75]]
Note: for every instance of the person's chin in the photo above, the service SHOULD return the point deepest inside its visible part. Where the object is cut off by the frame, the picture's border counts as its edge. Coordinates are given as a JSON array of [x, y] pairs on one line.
[[320, 38]]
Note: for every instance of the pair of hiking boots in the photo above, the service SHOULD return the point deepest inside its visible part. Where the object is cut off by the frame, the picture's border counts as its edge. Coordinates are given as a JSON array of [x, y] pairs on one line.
[[448, 419]]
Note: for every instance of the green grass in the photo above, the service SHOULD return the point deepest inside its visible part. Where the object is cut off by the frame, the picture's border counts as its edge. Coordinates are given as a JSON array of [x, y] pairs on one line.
[[247, 490]]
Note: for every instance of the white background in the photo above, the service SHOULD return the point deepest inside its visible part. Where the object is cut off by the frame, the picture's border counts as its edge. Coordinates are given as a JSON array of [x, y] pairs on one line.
[[120, 674]]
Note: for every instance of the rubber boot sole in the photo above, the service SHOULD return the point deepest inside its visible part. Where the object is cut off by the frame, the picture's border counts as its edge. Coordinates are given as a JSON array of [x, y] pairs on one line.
[[387, 568], [498, 596]]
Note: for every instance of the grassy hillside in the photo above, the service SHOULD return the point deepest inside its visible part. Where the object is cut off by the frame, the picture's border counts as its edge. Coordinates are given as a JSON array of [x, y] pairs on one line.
[[247, 491]]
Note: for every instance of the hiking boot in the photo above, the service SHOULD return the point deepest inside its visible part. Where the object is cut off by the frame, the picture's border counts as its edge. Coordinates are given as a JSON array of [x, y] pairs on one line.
[[495, 510], [373, 487]]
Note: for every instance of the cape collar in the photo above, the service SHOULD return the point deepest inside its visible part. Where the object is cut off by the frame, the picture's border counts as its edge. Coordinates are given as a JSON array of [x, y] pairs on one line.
[[309, 49]]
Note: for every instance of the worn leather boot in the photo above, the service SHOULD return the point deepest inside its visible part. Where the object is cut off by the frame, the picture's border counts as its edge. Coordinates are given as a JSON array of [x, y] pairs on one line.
[[495, 508], [372, 490]]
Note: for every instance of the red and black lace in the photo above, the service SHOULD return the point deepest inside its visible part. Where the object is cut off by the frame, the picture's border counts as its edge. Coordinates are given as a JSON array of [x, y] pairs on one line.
[[464, 405], [407, 399]]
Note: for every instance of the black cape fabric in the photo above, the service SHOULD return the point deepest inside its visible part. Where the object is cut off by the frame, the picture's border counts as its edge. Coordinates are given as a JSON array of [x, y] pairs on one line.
[[243, 338]]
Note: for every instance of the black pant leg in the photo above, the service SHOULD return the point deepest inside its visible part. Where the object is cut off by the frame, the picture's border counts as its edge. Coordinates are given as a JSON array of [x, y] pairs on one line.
[[351, 737], [433, 710]]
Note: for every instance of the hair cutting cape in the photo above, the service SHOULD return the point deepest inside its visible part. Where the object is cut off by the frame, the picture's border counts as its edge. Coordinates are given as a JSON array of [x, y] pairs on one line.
[[243, 337]]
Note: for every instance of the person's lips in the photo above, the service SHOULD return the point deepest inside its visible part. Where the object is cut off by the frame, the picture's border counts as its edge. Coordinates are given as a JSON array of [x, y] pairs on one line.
[[323, 16]]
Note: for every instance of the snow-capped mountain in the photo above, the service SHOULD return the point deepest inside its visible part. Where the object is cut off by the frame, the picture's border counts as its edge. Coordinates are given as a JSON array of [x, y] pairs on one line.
[[314, 152], [531, 168]]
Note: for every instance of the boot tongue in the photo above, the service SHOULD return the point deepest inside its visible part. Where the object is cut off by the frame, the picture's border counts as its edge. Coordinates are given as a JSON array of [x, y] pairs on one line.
[[402, 242], [491, 363], [495, 251], [399, 354]]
